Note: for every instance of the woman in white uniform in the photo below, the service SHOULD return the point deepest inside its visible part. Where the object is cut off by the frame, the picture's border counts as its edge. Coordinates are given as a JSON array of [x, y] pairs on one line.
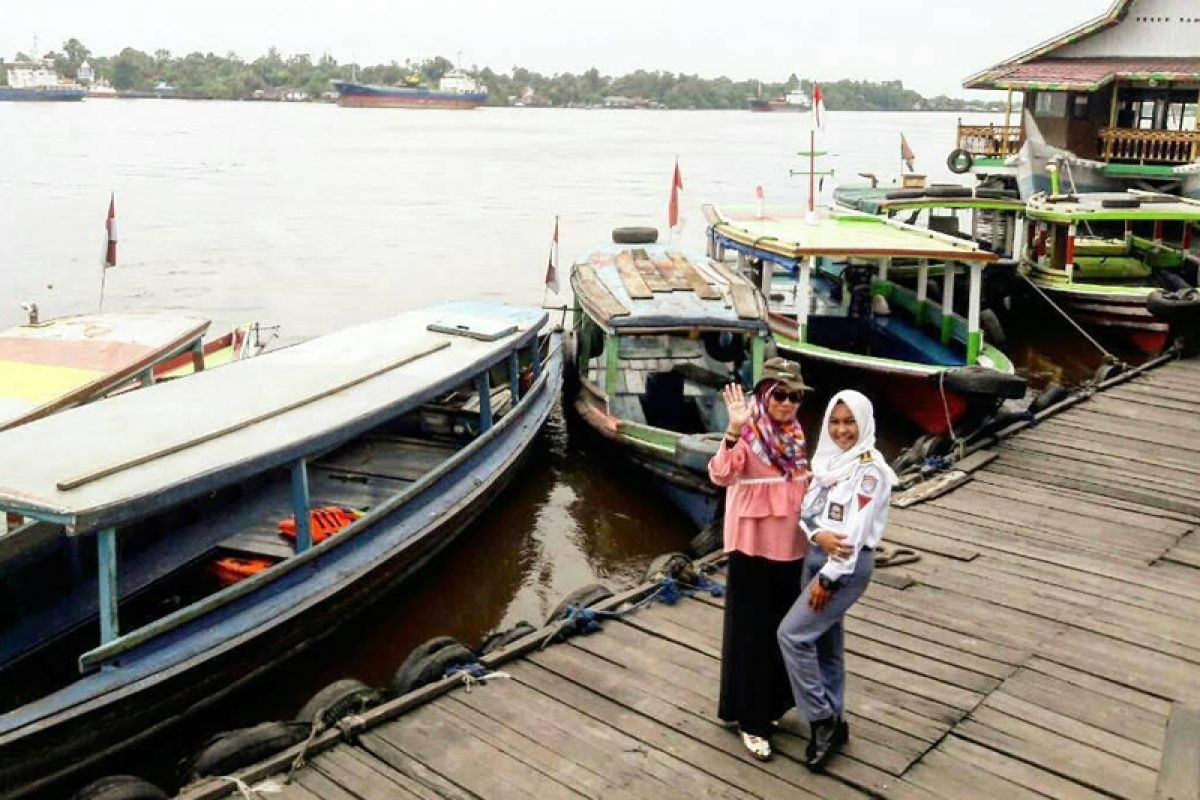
[[844, 513]]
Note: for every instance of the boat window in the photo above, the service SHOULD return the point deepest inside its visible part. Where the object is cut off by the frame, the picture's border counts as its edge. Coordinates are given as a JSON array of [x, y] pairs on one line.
[[1050, 105]]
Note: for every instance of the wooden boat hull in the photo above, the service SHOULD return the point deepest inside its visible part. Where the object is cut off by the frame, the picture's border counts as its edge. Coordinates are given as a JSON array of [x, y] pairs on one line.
[[174, 676], [1117, 315]]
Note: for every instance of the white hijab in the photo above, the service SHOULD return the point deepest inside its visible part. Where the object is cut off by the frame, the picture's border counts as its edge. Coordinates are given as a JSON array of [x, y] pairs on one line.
[[831, 464]]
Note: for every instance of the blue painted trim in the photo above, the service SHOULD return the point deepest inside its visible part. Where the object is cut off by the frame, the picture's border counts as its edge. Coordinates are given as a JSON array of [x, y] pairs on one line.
[[514, 376], [483, 386], [110, 588], [729, 244], [300, 505]]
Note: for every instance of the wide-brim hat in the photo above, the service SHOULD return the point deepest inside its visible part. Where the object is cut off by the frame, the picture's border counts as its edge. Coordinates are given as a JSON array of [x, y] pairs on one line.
[[785, 372]]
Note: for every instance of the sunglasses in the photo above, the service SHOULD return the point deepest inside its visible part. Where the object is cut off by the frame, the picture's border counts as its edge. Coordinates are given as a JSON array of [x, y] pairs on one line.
[[779, 395]]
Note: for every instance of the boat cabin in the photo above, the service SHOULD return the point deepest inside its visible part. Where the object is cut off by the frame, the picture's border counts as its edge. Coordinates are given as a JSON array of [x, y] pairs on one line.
[[1122, 89]]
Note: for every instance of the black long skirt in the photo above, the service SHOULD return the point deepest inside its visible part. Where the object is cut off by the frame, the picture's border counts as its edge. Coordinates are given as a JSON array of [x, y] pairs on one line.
[[754, 684]]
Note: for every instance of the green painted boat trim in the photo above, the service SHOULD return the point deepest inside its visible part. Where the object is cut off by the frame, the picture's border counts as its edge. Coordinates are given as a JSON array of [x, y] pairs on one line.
[[999, 360], [1148, 212], [1056, 281], [1139, 170], [658, 438]]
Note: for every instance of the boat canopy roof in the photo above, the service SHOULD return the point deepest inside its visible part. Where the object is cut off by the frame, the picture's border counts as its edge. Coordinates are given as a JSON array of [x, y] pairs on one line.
[[652, 286], [1132, 205], [876, 200], [787, 235], [68, 360], [133, 455]]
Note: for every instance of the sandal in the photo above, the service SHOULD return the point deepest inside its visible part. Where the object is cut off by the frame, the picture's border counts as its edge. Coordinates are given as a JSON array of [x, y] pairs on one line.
[[759, 747]]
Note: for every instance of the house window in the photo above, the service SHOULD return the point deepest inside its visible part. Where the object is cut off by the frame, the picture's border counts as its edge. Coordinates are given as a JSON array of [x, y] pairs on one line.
[[1079, 105], [1050, 104]]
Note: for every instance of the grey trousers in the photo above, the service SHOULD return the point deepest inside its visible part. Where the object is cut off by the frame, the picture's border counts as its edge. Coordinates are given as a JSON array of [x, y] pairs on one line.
[[812, 641]]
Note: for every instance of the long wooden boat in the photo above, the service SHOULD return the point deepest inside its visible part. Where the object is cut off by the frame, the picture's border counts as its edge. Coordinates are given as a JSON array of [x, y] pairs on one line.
[[416, 421], [63, 362], [656, 334], [835, 308], [1101, 256]]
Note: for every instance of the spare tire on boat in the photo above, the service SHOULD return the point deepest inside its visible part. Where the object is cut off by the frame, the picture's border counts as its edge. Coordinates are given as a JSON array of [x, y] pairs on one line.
[[635, 234], [120, 787], [978, 380], [232, 750], [949, 190], [671, 565], [583, 597], [904, 194], [428, 662], [1120, 202], [990, 193], [724, 345], [1178, 308], [501, 639], [960, 161], [337, 700]]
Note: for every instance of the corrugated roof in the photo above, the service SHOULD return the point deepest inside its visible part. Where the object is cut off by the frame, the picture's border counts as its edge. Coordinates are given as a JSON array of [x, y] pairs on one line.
[[1089, 73]]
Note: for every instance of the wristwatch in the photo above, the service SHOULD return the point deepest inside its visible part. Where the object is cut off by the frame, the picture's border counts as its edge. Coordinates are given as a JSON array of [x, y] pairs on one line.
[[826, 583]]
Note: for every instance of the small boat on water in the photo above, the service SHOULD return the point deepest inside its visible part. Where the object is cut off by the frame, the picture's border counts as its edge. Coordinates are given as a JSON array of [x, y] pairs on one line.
[[37, 82], [1102, 256], [794, 101], [656, 334], [112, 625], [456, 90], [835, 307]]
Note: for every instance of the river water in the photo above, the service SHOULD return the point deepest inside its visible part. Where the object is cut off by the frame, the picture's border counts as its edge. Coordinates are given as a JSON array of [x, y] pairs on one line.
[[313, 217]]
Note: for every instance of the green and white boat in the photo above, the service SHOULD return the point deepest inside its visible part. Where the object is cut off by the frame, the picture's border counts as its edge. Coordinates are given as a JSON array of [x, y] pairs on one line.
[[1107, 258], [834, 306]]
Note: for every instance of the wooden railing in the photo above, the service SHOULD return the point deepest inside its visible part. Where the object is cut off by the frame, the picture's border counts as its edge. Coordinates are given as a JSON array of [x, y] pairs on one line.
[[989, 140], [1149, 146]]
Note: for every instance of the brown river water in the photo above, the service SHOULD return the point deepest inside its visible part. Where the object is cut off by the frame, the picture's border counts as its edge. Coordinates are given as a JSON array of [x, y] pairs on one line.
[[313, 217]]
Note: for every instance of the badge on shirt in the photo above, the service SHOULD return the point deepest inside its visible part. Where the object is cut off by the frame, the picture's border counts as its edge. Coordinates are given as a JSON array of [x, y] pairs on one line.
[[837, 512], [819, 502], [865, 458], [863, 499], [869, 482]]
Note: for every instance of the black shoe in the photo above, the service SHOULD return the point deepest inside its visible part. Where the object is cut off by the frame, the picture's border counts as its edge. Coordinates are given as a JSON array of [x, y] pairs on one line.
[[822, 743], [843, 732]]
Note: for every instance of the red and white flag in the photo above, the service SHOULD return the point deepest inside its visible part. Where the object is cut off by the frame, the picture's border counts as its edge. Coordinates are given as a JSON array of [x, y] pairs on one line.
[[552, 264], [818, 103], [906, 153], [673, 206], [108, 254]]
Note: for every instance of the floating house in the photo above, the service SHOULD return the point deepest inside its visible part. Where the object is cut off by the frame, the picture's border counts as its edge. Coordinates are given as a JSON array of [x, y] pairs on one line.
[[1121, 90]]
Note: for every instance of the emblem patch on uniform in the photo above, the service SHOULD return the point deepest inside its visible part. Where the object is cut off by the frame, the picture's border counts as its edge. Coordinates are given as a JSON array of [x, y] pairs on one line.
[[865, 458], [837, 512], [863, 500], [868, 485]]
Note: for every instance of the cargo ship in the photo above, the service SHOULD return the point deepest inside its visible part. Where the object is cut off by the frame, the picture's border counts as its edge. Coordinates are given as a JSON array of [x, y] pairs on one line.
[[37, 82], [792, 101], [456, 90]]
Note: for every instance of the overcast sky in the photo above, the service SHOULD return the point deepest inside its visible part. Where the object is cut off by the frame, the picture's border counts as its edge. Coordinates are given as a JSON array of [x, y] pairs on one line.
[[929, 44]]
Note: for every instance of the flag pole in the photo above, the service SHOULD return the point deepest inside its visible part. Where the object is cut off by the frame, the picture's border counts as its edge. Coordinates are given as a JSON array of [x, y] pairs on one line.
[[812, 168], [103, 275]]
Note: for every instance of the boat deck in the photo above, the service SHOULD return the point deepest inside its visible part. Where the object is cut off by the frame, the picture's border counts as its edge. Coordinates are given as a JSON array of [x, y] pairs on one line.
[[1042, 646]]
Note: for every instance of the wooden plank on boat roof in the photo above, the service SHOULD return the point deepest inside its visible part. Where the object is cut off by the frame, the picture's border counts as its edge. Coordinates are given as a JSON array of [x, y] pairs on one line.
[[597, 295], [633, 281], [649, 272], [666, 267], [703, 289], [743, 295]]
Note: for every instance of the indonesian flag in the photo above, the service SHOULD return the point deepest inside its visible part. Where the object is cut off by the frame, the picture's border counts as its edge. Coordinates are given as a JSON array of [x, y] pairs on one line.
[[818, 108], [906, 153], [673, 207], [552, 264], [108, 254]]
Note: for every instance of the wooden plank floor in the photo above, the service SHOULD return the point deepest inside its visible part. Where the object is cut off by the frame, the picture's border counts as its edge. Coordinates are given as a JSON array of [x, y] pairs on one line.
[[1049, 626]]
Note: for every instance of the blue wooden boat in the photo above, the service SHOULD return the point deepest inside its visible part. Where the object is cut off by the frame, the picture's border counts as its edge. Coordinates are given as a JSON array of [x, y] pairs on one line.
[[656, 334], [417, 420]]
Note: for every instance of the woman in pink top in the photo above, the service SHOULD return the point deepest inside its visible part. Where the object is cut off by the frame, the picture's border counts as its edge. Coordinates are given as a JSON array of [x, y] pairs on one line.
[[764, 465]]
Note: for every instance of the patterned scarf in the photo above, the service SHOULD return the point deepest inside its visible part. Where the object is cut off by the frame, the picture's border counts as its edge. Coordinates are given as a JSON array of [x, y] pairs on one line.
[[774, 443]]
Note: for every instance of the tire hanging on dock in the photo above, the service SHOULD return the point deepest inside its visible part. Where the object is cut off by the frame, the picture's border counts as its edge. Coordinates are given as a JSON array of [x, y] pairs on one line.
[[671, 565], [502, 639], [233, 750], [583, 597], [337, 700], [428, 662], [120, 787]]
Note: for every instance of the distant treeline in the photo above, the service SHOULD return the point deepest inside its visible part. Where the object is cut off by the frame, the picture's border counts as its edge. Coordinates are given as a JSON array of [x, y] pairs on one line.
[[206, 75]]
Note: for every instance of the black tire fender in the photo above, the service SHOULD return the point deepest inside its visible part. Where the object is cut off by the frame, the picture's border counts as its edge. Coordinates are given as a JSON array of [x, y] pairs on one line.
[[710, 537], [960, 161], [337, 700], [990, 193], [635, 234], [1120, 202], [233, 750], [989, 323], [1052, 394], [671, 565], [723, 345], [948, 190], [582, 597], [502, 639], [428, 662], [978, 380], [1181, 307], [904, 194], [120, 787]]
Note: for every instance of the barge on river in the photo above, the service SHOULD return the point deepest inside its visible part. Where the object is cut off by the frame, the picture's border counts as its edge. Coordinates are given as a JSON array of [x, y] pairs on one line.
[[113, 624], [656, 334]]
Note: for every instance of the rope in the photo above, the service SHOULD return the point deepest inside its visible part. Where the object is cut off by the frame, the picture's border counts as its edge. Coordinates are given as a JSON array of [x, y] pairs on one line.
[[473, 674], [1067, 317], [252, 792], [318, 726], [946, 405]]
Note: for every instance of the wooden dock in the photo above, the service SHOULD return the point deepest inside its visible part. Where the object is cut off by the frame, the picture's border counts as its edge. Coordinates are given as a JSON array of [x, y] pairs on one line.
[[1039, 648]]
